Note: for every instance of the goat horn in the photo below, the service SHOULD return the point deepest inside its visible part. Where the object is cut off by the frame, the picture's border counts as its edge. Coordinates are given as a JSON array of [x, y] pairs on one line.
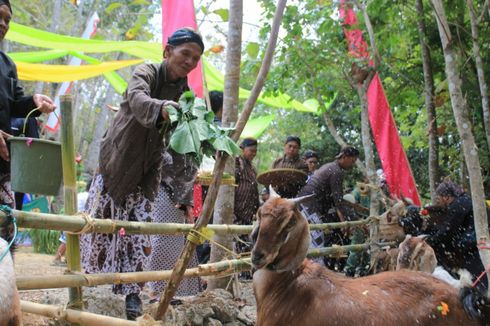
[[423, 236], [300, 199], [273, 193]]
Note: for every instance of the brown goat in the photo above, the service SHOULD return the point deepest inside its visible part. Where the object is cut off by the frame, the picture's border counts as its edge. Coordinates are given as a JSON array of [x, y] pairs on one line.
[[385, 260], [291, 290], [415, 254]]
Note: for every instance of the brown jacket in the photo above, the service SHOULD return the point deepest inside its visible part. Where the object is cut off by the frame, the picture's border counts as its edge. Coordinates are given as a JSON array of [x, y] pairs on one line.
[[294, 163], [131, 149]]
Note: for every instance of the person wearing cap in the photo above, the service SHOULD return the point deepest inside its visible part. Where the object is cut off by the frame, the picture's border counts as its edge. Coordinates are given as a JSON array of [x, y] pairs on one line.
[[290, 160], [130, 164], [312, 160], [264, 195], [13, 104], [325, 204], [454, 239], [246, 193], [216, 99]]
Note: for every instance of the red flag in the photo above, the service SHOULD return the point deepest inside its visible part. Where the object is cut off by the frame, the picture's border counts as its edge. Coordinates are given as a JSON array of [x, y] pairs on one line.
[[393, 159], [177, 14]]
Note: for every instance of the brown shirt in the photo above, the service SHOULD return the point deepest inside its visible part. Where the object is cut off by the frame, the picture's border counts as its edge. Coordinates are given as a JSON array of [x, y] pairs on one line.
[[326, 185], [131, 149], [287, 163], [247, 193]]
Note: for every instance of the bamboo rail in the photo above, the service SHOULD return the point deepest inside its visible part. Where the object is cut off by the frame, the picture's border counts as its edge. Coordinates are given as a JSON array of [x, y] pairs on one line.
[[73, 316], [222, 268], [75, 223], [70, 194]]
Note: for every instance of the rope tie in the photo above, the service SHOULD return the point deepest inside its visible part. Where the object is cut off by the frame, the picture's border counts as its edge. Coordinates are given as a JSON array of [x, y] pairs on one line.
[[197, 237], [478, 279], [89, 225], [485, 246]]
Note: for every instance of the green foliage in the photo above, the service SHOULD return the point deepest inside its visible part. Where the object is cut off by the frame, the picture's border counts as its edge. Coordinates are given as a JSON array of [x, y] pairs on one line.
[[112, 7], [223, 13], [253, 50], [311, 62], [195, 132], [44, 241]]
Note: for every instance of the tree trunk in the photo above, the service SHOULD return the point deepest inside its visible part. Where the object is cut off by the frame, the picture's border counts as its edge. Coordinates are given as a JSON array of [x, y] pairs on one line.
[[463, 123], [480, 71], [223, 211], [101, 119], [53, 28], [367, 145], [362, 88], [333, 131], [429, 102]]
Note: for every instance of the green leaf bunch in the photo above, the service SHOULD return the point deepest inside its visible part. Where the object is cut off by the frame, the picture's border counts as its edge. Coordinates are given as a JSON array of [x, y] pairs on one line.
[[195, 132]]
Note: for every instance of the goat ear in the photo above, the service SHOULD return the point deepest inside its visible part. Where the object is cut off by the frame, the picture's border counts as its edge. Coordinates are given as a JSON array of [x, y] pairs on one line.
[[273, 193]]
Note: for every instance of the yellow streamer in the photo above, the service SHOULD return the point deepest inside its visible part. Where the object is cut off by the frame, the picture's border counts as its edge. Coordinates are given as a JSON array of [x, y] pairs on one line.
[[62, 73]]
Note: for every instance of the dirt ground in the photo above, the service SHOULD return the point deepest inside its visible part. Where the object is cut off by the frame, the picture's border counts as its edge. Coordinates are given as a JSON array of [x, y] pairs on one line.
[[28, 263], [101, 300]]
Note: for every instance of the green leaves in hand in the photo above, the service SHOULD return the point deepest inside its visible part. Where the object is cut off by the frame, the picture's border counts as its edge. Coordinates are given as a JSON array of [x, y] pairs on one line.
[[196, 133]]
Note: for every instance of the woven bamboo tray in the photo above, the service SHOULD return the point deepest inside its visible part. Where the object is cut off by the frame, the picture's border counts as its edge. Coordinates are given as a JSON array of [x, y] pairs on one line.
[[282, 177], [206, 180]]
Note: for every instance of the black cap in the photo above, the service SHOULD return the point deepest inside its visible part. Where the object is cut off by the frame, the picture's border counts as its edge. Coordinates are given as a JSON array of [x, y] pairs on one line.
[[309, 154], [247, 142], [185, 35], [216, 99], [347, 151], [293, 138], [449, 188], [6, 3]]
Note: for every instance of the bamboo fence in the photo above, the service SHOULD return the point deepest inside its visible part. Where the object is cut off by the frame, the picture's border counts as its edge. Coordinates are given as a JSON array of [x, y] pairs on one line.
[[74, 316], [75, 223], [219, 269]]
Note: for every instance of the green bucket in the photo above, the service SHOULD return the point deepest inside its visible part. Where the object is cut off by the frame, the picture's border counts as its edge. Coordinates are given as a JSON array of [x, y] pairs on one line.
[[35, 165]]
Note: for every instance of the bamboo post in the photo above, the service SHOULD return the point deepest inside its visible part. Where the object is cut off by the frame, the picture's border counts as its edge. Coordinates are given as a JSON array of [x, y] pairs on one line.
[[219, 166], [74, 316], [70, 194]]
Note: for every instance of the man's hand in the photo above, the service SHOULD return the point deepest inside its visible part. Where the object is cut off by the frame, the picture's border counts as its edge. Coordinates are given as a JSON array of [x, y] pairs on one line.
[[4, 152], [164, 111], [188, 212], [44, 103]]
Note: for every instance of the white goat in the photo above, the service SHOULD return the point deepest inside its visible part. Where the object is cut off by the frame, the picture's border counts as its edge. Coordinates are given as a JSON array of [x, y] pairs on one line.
[[10, 314]]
